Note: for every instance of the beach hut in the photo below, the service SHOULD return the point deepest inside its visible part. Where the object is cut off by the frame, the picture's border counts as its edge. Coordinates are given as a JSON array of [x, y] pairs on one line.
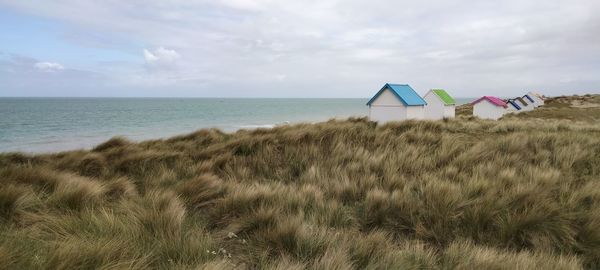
[[396, 102], [531, 101], [488, 107], [439, 105], [537, 98], [513, 107], [525, 106]]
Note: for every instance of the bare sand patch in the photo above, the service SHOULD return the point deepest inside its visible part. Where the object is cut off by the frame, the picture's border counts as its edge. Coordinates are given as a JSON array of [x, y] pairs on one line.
[[583, 104]]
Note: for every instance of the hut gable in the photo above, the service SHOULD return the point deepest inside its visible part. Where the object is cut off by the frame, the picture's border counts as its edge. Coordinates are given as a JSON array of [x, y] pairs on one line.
[[537, 98], [524, 104], [488, 107], [527, 97], [513, 103], [439, 105], [536, 101], [521, 101], [513, 107]]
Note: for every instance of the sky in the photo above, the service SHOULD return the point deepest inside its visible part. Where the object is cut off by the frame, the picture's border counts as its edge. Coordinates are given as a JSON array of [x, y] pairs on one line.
[[297, 48]]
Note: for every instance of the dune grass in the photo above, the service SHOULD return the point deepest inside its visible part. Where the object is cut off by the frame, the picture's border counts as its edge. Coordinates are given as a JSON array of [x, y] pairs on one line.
[[519, 193], [575, 108]]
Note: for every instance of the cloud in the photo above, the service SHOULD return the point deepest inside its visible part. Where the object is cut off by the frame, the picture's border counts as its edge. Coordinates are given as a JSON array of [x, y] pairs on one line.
[[48, 66], [349, 47], [161, 56], [162, 68]]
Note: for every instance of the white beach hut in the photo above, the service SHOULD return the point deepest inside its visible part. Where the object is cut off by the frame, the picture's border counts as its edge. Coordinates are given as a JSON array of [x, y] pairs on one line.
[[512, 106], [531, 101], [537, 98], [439, 105], [396, 102], [488, 107], [525, 105]]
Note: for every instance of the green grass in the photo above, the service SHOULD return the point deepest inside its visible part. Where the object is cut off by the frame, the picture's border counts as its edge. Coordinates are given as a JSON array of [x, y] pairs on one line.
[[519, 193]]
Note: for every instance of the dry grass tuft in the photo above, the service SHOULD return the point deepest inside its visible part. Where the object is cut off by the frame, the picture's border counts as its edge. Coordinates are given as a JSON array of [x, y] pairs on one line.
[[93, 165], [116, 142], [76, 192], [201, 191], [12, 200], [160, 213]]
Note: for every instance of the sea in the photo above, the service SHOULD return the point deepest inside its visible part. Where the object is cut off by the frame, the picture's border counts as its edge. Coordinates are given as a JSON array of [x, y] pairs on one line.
[[41, 125]]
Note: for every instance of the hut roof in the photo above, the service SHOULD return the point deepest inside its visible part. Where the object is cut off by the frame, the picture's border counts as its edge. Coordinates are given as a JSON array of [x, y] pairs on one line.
[[494, 100], [514, 104], [444, 96], [540, 96], [403, 92], [520, 99], [529, 98]]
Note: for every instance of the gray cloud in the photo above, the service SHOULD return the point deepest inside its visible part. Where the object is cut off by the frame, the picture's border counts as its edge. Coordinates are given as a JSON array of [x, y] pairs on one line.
[[340, 48]]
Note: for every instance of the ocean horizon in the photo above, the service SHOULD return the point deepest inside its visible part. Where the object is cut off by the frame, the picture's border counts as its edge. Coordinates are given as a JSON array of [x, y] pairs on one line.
[[49, 124]]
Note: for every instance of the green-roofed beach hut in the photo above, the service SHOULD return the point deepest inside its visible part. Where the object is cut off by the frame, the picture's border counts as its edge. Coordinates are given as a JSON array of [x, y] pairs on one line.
[[439, 105]]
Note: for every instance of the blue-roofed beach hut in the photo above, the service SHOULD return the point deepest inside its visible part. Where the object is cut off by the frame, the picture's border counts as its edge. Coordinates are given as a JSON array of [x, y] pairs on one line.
[[531, 100], [513, 106], [396, 102], [525, 104]]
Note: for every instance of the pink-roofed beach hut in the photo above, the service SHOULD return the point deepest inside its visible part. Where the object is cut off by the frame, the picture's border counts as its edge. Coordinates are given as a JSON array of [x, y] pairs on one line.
[[488, 107]]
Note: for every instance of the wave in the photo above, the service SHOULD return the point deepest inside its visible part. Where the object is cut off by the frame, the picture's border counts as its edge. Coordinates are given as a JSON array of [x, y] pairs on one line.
[[264, 126], [257, 126]]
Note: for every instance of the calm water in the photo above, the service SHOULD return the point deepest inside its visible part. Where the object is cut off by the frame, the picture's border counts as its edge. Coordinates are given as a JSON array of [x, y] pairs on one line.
[[56, 124]]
